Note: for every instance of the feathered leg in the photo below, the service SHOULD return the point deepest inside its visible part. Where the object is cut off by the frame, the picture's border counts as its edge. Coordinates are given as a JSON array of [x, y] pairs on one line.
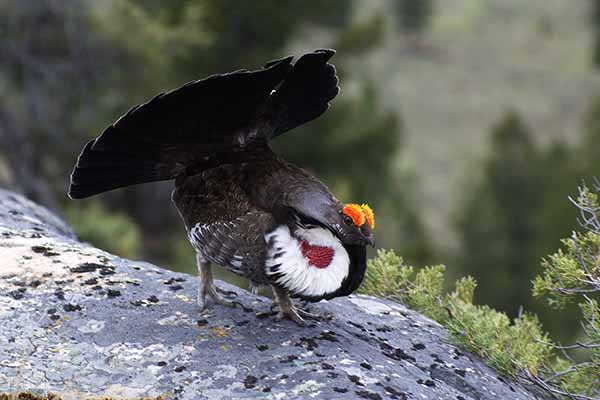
[[206, 285]]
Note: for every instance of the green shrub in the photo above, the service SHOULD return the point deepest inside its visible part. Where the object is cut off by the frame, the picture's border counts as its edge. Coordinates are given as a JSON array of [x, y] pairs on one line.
[[519, 348], [507, 346], [572, 275]]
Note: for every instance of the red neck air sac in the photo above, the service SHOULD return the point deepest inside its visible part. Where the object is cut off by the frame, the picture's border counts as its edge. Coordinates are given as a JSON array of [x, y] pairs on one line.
[[319, 256]]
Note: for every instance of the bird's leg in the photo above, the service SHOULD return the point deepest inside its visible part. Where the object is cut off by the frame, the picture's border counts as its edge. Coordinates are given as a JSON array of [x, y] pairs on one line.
[[286, 307], [254, 288], [206, 285]]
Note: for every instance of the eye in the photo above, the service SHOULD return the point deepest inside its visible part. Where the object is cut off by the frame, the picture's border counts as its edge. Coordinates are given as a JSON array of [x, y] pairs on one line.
[[348, 220]]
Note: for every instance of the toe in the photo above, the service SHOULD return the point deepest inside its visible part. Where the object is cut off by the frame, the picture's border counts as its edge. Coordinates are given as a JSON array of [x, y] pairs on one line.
[[220, 300], [201, 300], [229, 293], [314, 317], [292, 316]]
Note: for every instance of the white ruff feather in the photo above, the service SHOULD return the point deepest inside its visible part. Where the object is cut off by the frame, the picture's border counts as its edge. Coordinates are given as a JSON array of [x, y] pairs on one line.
[[297, 275]]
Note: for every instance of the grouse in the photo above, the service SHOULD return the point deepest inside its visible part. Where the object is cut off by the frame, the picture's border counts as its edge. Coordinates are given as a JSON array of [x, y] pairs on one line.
[[244, 208]]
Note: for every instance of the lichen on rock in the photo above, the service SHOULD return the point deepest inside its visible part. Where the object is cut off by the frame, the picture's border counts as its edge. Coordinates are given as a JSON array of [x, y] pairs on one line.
[[78, 322]]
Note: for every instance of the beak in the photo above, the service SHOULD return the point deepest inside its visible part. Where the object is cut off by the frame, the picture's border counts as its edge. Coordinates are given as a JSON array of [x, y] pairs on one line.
[[367, 235], [371, 240]]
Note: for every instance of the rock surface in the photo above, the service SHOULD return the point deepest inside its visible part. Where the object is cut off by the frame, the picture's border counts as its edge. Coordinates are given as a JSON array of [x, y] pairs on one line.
[[77, 321]]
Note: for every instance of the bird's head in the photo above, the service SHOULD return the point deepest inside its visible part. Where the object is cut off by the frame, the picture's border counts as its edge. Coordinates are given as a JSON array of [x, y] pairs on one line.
[[351, 224], [355, 225]]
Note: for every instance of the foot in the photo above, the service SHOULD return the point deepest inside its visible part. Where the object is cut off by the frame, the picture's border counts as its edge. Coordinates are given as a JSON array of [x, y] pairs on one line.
[[298, 312], [294, 313], [228, 293], [210, 290], [291, 313], [287, 310], [207, 286], [314, 317]]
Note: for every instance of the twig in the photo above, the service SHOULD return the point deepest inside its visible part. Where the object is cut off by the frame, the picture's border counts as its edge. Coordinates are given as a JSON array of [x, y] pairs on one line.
[[552, 389]]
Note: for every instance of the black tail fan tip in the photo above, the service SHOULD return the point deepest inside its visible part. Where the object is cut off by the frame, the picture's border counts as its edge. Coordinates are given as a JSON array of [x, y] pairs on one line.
[[177, 130]]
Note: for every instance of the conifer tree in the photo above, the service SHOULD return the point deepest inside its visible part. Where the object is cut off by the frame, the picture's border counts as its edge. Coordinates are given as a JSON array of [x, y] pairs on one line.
[[589, 157], [498, 220], [595, 28], [514, 216]]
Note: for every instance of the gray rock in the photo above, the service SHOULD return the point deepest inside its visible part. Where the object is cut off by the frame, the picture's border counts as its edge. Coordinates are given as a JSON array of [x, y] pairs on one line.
[[78, 321]]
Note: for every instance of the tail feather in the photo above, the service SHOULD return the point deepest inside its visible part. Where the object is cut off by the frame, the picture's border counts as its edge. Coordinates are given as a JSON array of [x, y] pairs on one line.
[[99, 171], [306, 92], [178, 131]]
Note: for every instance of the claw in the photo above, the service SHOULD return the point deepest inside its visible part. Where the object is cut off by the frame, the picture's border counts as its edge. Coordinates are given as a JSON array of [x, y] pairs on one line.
[[217, 298], [314, 317], [286, 307], [292, 315], [211, 292], [229, 293]]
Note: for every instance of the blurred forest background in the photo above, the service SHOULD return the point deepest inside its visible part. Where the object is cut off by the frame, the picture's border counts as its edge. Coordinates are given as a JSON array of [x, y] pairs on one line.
[[464, 123]]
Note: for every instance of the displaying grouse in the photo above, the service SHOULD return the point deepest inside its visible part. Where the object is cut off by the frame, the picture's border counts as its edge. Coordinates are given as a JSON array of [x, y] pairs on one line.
[[244, 208]]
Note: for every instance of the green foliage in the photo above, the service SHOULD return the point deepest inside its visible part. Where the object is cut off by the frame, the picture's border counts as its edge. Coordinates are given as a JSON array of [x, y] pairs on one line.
[[518, 348], [113, 232], [572, 275], [563, 278], [465, 289], [426, 292], [580, 380], [387, 276], [574, 271], [507, 346]]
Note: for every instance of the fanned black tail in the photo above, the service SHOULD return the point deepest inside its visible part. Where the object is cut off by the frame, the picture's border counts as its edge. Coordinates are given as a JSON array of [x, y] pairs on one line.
[[214, 119], [306, 92], [100, 169]]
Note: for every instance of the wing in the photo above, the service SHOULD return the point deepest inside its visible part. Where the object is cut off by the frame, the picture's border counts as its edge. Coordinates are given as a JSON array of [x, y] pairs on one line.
[[202, 122], [158, 140], [238, 245]]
